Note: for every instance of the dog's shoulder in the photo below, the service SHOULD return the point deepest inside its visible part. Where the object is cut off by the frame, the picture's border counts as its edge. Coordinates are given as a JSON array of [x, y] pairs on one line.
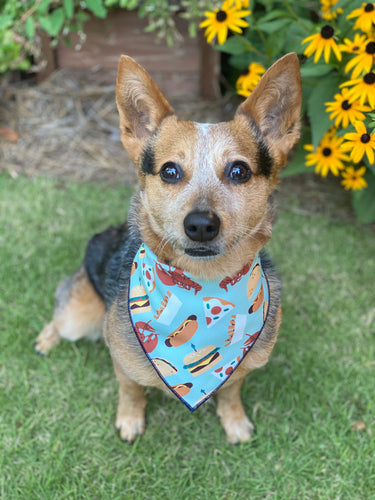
[[108, 260]]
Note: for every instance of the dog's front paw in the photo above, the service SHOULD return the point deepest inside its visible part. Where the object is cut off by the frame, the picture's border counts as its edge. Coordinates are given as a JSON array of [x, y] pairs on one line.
[[130, 427], [238, 430]]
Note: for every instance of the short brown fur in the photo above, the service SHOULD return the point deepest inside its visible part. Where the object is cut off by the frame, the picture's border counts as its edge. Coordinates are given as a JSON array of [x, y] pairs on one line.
[[268, 119]]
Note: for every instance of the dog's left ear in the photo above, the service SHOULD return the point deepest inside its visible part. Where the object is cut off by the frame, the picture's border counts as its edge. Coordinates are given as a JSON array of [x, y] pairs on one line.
[[141, 106], [275, 106]]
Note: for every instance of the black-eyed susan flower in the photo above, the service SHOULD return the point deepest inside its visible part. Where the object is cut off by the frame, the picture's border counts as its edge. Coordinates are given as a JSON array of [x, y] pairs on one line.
[[354, 46], [228, 17], [362, 89], [359, 143], [344, 112], [353, 179], [328, 156], [328, 11], [366, 17], [363, 61], [322, 43], [249, 79]]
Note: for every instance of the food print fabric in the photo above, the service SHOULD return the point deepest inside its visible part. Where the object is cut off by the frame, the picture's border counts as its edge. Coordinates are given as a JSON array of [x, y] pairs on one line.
[[195, 334]]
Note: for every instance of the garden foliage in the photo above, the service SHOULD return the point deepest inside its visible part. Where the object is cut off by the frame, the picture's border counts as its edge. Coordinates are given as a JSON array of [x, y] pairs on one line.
[[335, 40]]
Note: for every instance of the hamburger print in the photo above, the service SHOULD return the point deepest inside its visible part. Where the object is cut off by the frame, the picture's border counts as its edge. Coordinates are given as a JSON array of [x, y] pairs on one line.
[[138, 300], [201, 360]]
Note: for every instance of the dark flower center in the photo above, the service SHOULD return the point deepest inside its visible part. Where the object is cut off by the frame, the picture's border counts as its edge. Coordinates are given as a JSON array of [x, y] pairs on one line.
[[346, 105], [369, 7], [245, 72], [369, 78], [327, 32], [221, 16], [365, 138], [370, 48], [327, 152]]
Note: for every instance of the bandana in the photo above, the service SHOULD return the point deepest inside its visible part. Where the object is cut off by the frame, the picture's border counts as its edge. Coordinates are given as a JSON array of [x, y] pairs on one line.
[[195, 334]]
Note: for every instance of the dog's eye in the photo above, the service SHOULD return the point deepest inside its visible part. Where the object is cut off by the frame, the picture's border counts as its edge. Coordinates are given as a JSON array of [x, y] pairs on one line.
[[171, 172], [237, 171]]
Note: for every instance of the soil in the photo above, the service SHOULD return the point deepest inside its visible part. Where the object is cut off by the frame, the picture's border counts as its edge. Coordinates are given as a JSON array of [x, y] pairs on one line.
[[67, 128]]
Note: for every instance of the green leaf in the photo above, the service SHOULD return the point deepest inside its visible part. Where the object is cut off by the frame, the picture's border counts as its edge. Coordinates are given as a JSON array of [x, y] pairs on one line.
[[312, 70], [364, 201], [43, 6], [52, 24], [271, 16], [192, 30], [30, 28], [296, 33], [234, 45], [297, 162], [319, 118], [97, 8], [69, 8], [129, 4], [274, 26], [5, 21]]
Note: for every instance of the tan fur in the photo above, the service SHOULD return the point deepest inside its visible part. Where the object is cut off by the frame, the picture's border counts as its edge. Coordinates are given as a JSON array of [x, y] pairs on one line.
[[79, 312], [159, 210]]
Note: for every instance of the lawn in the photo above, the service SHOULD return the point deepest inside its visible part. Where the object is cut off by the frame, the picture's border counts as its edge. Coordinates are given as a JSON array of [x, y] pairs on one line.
[[313, 404]]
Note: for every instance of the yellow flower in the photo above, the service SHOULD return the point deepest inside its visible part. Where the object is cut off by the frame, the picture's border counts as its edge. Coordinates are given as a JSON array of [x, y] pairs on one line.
[[363, 61], [328, 156], [345, 112], [362, 89], [322, 42], [249, 79], [328, 13], [359, 143], [353, 179], [229, 16], [366, 17], [355, 46]]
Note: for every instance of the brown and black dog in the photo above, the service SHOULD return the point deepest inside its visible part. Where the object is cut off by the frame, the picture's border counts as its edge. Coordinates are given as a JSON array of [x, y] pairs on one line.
[[204, 207]]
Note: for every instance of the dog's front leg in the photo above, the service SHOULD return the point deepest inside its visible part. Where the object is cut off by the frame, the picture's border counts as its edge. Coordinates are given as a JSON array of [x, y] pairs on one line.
[[130, 418], [237, 426]]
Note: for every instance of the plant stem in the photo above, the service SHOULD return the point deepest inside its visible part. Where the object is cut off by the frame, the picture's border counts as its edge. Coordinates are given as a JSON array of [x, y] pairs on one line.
[[294, 15], [29, 12], [251, 48]]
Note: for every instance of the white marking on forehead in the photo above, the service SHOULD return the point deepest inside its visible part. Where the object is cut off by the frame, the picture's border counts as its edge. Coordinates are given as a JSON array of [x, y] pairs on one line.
[[203, 127], [203, 161]]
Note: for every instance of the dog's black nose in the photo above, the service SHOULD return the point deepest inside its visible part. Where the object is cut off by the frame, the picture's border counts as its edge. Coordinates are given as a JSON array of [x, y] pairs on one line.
[[202, 226]]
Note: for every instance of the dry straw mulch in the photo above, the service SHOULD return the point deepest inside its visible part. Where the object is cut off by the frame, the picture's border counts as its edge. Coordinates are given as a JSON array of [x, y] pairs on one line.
[[67, 127]]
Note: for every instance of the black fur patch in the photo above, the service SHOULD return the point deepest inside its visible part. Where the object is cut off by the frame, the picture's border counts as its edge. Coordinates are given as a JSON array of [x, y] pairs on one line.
[[148, 160], [265, 161], [109, 256]]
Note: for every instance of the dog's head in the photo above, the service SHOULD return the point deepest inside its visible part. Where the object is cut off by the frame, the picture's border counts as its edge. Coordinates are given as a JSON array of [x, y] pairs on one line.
[[204, 188]]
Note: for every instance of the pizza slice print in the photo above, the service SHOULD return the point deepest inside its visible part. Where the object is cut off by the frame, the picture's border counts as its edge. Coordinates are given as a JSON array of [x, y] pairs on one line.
[[215, 309]]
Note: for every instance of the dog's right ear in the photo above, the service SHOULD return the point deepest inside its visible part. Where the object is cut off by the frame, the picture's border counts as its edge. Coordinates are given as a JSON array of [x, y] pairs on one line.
[[141, 106]]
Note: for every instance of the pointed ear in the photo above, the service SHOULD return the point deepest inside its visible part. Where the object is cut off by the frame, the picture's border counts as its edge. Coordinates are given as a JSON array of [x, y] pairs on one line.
[[275, 106], [141, 106]]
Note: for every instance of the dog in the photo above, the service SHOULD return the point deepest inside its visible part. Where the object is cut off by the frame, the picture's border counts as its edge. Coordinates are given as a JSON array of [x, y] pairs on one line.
[[195, 231]]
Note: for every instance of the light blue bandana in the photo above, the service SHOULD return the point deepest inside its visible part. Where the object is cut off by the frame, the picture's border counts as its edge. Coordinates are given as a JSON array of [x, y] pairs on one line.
[[195, 333]]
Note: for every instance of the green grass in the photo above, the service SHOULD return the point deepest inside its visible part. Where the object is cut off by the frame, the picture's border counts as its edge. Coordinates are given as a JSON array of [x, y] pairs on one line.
[[57, 436]]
